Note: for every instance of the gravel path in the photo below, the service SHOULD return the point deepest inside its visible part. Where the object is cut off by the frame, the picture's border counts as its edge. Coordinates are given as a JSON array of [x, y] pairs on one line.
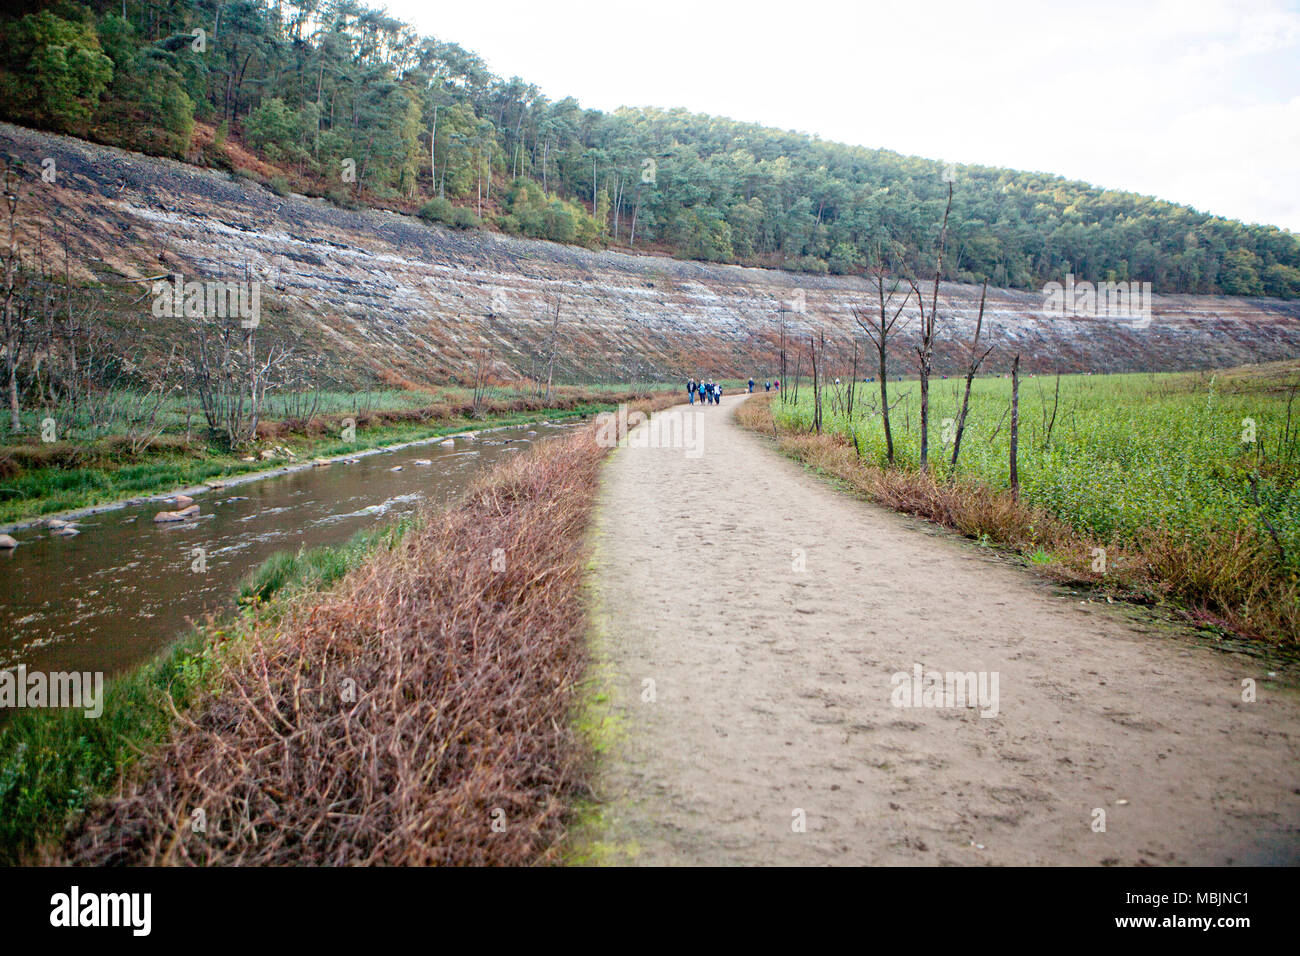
[[771, 695]]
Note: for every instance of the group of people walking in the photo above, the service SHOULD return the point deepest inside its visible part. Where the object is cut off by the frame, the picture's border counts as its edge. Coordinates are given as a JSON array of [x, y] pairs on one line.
[[711, 392], [707, 392]]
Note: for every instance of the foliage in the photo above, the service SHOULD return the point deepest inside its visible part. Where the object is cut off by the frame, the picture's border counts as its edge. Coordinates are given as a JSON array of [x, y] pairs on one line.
[[313, 84]]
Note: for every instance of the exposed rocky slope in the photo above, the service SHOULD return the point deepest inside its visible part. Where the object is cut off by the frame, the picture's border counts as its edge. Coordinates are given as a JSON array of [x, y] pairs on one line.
[[386, 297]]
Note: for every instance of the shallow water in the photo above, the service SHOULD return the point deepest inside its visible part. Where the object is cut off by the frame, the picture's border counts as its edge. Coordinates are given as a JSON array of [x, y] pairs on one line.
[[125, 587]]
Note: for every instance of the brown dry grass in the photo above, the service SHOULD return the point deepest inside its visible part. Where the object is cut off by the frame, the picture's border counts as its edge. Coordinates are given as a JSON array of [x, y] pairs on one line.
[[1228, 580], [442, 411], [465, 680]]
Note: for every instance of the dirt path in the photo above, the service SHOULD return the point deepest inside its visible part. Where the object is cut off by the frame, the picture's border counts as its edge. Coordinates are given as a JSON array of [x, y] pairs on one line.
[[772, 691]]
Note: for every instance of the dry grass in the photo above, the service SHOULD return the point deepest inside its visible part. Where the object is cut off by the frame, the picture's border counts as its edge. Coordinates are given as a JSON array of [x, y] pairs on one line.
[[1230, 580], [464, 681], [566, 399]]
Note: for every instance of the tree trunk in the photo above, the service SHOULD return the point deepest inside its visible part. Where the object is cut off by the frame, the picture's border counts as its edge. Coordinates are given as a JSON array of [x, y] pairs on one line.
[[1015, 424], [433, 150]]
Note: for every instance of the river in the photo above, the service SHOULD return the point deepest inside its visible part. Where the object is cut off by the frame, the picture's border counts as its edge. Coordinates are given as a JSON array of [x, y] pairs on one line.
[[124, 588]]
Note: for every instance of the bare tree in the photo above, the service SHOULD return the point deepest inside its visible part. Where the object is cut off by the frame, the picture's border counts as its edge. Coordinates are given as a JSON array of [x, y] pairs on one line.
[[15, 312], [973, 364], [929, 329], [230, 378], [817, 382], [555, 338], [878, 328], [1015, 424]]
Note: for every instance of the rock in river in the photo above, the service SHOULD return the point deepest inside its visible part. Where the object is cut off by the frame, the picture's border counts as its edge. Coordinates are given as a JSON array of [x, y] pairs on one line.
[[185, 513]]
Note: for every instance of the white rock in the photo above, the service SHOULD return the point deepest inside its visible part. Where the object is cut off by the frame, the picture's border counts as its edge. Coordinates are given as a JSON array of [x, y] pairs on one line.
[[7, 543]]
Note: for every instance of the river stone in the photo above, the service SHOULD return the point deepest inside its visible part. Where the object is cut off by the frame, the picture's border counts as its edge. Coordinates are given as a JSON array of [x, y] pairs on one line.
[[67, 531], [396, 468], [181, 501], [422, 461], [53, 523], [7, 543], [163, 517], [448, 443]]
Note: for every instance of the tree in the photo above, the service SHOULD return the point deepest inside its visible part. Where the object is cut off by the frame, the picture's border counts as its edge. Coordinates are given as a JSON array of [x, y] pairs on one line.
[[56, 70], [15, 316], [929, 330], [878, 328], [974, 360]]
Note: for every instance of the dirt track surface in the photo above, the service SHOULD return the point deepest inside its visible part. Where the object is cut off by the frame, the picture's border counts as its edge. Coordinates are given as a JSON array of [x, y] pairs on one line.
[[772, 691]]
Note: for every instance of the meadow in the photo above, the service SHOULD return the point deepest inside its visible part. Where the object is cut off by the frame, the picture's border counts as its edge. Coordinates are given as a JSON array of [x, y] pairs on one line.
[[1205, 463]]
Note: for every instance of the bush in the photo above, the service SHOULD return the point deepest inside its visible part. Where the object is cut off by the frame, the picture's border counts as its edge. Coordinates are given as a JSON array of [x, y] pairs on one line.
[[437, 210], [463, 218]]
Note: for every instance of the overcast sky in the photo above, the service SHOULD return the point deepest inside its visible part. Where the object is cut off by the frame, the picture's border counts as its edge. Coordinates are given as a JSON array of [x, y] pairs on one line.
[[1195, 101]]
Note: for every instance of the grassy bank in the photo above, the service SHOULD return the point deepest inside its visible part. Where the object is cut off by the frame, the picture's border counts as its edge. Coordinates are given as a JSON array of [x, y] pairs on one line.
[[384, 719], [52, 763], [42, 479], [1152, 469]]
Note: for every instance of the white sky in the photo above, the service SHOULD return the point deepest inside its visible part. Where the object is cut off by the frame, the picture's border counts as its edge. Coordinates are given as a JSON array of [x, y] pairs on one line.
[[1195, 101]]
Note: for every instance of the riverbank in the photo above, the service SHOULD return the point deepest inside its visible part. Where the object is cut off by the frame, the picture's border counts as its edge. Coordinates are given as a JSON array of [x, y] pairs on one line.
[[68, 490], [433, 684], [53, 762]]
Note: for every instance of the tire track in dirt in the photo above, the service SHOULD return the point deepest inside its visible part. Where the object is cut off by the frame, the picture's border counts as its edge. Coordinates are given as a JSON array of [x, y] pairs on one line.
[[773, 691]]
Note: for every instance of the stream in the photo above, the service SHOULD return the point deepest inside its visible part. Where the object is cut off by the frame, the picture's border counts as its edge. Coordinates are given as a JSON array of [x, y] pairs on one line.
[[124, 588]]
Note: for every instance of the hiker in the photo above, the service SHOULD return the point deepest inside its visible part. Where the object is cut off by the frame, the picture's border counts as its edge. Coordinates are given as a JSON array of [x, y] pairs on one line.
[[717, 394], [767, 386], [702, 391], [777, 385], [690, 390], [751, 384]]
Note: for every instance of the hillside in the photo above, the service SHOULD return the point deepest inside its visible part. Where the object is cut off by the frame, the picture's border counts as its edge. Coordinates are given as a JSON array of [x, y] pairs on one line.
[[340, 101], [373, 296]]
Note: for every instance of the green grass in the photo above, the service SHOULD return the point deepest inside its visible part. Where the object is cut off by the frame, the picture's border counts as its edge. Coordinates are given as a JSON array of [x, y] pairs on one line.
[[1125, 453], [315, 569], [52, 762]]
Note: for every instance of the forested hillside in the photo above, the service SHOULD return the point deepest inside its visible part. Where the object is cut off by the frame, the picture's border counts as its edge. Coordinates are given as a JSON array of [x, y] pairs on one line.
[[330, 98]]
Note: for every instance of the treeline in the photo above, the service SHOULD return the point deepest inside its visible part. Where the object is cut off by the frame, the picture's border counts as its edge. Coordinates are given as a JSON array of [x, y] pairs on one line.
[[352, 103]]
